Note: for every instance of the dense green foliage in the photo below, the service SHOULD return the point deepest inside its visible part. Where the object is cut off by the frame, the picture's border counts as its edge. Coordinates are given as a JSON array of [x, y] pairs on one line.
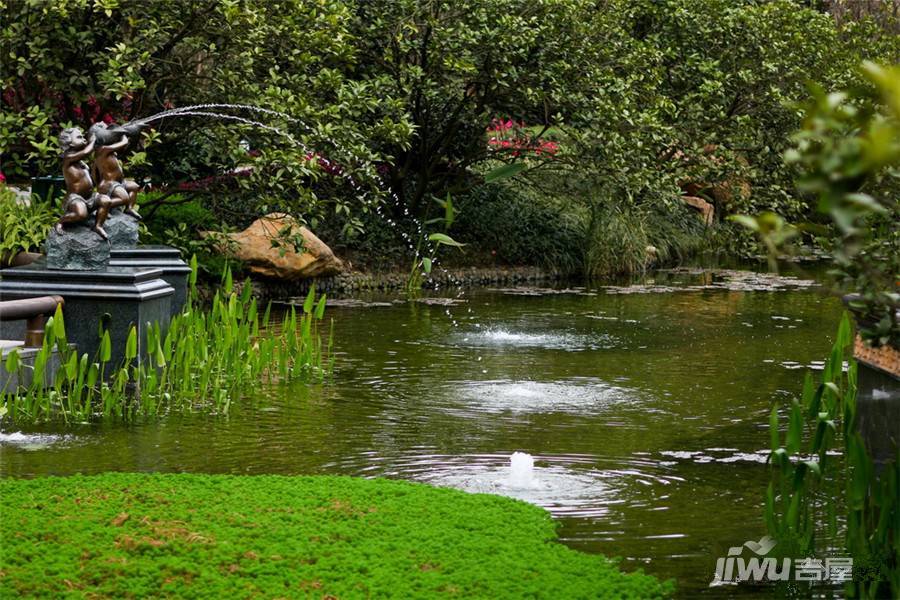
[[202, 536], [848, 155], [23, 228], [642, 102], [76, 62], [206, 358], [810, 486]]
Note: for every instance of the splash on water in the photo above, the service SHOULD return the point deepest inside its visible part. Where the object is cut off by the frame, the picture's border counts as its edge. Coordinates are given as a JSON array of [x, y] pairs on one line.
[[577, 396], [571, 342], [521, 472], [30, 441]]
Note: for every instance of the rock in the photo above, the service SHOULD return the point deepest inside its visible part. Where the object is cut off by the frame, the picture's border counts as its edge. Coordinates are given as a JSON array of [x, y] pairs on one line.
[[122, 229], [707, 210], [78, 248], [254, 247]]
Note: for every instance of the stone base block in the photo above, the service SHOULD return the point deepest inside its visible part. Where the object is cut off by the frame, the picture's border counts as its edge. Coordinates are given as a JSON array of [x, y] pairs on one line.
[[175, 271], [116, 300]]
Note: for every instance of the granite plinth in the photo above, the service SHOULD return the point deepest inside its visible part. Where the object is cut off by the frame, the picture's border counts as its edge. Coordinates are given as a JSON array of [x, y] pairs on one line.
[[77, 248], [115, 299], [878, 412], [175, 271], [122, 229]]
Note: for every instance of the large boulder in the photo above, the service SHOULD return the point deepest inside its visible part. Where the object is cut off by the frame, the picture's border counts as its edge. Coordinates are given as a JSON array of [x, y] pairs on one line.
[[254, 246]]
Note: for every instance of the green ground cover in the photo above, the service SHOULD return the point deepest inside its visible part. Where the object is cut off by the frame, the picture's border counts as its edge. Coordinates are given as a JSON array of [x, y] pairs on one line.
[[207, 536]]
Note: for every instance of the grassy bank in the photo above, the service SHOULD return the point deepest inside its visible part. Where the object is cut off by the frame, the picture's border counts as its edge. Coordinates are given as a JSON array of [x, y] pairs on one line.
[[201, 536]]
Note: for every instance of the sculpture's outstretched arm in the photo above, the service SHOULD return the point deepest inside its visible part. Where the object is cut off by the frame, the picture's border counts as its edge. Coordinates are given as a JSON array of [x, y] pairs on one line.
[[123, 143]]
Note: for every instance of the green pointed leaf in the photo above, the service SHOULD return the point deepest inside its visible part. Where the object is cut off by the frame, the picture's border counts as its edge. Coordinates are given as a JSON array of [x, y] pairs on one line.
[[131, 345], [310, 299], [444, 239], [505, 171]]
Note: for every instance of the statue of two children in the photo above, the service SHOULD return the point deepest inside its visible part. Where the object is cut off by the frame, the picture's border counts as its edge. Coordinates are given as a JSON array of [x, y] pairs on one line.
[[113, 189]]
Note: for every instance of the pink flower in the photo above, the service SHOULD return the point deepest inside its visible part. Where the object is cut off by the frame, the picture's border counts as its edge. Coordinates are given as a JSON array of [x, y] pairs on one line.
[[2, 177]]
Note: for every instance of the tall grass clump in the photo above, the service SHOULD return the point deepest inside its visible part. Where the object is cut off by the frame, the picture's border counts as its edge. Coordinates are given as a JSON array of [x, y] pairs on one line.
[[208, 357], [826, 491], [616, 242]]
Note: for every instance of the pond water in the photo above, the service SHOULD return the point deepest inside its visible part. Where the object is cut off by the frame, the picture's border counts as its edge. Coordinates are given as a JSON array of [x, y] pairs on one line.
[[645, 408]]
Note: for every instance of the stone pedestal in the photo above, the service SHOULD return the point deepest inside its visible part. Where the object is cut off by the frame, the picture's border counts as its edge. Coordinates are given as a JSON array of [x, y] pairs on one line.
[[115, 299], [175, 271], [77, 248], [122, 229]]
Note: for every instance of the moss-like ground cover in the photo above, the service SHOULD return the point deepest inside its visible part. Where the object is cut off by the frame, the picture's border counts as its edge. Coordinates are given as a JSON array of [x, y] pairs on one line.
[[218, 536]]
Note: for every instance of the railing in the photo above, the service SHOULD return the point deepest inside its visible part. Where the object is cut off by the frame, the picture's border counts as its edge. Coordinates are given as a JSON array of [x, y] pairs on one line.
[[34, 311]]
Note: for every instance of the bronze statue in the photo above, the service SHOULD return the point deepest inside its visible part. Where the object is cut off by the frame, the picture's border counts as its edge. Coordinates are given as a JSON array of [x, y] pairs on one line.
[[107, 169], [112, 188], [80, 200]]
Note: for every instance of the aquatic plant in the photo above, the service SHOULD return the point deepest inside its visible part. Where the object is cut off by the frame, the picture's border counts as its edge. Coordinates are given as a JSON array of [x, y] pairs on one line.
[[816, 498], [219, 536], [207, 358], [422, 263]]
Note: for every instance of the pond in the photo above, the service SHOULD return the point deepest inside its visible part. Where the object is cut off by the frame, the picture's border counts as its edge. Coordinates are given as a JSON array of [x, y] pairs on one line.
[[645, 408]]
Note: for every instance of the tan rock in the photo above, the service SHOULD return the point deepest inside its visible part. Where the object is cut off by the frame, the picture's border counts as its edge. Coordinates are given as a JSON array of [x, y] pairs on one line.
[[254, 246], [707, 210]]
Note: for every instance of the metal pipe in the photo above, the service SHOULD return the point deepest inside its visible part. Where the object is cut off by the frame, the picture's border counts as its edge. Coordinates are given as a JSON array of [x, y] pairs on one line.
[[16, 310], [34, 311]]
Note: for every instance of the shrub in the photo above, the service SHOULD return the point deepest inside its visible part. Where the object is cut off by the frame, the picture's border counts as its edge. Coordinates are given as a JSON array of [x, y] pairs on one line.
[[72, 62], [521, 226], [23, 227]]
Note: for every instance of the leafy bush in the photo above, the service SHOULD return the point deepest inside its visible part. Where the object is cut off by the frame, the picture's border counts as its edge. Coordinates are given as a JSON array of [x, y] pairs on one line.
[[521, 226], [23, 227], [219, 536], [455, 66], [848, 152], [648, 96]]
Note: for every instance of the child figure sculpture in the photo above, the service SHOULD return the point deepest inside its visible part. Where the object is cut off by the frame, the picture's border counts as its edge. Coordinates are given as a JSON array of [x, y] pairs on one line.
[[107, 169], [81, 200]]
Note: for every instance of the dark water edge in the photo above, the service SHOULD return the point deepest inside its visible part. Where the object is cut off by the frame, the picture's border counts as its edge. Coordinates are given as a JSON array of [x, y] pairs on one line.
[[646, 412]]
